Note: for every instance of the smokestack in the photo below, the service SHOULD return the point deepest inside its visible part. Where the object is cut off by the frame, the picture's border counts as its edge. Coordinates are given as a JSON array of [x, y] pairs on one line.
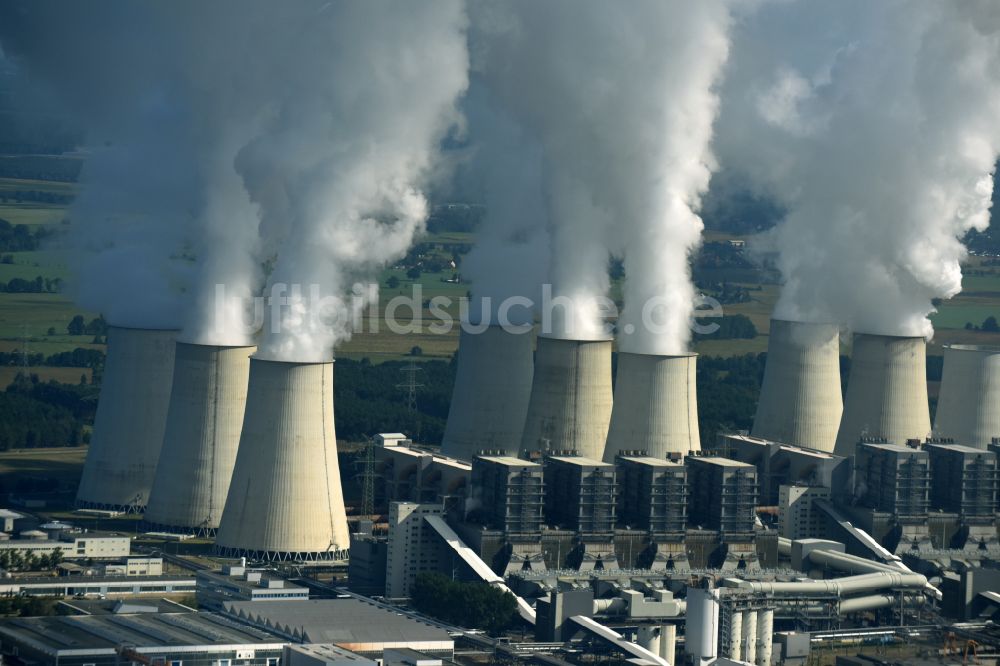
[[570, 405], [202, 435], [655, 406], [968, 407], [492, 388], [886, 392], [130, 420], [285, 501], [800, 399]]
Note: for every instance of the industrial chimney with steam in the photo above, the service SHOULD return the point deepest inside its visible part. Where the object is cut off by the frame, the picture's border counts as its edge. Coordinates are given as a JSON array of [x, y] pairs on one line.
[[131, 415], [202, 436], [968, 408], [886, 392], [492, 389], [800, 399], [285, 501], [570, 405], [655, 406]]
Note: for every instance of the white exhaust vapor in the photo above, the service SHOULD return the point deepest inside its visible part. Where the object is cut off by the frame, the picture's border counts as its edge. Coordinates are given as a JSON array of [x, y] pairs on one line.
[[131, 418]]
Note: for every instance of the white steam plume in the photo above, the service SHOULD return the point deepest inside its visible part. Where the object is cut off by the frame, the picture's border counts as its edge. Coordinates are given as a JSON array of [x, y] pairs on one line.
[[621, 104], [338, 168], [876, 125]]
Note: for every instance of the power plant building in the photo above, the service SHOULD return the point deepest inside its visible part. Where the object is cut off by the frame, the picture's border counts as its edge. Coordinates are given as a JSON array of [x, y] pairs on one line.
[[968, 409], [508, 494], [489, 402], [571, 397], [414, 546], [800, 398], [653, 496], [655, 406], [207, 404], [964, 482], [130, 422], [580, 494], [723, 494], [886, 392], [285, 501]]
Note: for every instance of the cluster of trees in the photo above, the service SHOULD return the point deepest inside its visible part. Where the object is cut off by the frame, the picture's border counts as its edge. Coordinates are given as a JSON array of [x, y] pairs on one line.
[[27, 606], [17, 560], [989, 325], [95, 327], [472, 605], [39, 285], [21, 237], [732, 327], [455, 217], [78, 358], [36, 414], [369, 399], [35, 196], [727, 393]]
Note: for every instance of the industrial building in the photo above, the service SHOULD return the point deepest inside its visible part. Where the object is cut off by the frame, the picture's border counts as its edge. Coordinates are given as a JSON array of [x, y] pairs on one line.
[[894, 480], [130, 422], [202, 434], [798, 515], [964, 481], [413, 546], [489, 401], [800, 399], [653, 496], [886, 392], [237, 583], [723, 493], [285, 501], [72, 545], [580, 494], [967, 409], [571, 397], [509, 495], [655, 406]]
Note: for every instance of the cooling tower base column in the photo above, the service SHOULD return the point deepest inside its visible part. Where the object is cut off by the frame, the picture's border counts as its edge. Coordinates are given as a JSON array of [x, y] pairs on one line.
[[279, 556]]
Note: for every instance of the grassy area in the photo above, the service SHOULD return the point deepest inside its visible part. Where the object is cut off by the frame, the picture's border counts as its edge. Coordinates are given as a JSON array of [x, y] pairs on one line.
[[955, 314], [61, 375], [64, 465], [8, 186], [32, 213], [27, 265], [34, 314]]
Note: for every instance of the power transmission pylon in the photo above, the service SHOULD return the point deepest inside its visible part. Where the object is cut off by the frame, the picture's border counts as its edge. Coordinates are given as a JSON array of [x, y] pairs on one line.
[[368, 480], [411, 385]]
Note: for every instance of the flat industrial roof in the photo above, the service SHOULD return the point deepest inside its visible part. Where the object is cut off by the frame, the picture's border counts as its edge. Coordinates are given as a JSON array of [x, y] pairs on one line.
[[959, 448], [509, 460], [719, 460], [580, 460], [341, 621], [650, 460], [102, 632]]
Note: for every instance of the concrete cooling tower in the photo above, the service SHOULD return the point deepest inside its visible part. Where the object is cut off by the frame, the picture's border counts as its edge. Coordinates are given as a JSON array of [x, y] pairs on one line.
[[800, 400], [492, 389], [202, 435], [968, 408], [285, 501], [886, 392], [131, 415], [655, 407], [570, 405]]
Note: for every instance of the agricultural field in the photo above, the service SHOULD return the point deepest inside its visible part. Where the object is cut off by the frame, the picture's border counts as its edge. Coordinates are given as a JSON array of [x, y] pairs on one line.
[[61, 464]]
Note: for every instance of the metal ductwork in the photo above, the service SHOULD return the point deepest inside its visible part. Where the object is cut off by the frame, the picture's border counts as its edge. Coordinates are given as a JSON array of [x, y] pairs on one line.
[[130, 421], [886, 392], [570, 406], [800, 398], [655, 406], [839, 586], [492, 388], [202, 436], [285, 501], [968, 409]]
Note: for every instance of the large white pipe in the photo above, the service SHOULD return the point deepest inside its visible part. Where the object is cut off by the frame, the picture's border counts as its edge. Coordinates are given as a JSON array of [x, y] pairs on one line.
[[571, 398], [130, 421], [968, 408], [492, 387], [750, 637], [838, 586], [668, 642], [735, 636], [655, 406], [886, 392], [765, 637], [202, 435], [848, 563], [285, 501], [649, 639], [873, 601], [800, 400]]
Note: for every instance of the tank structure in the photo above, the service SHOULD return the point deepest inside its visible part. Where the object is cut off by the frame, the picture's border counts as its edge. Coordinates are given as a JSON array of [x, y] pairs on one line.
[[130, 421], [492, 388], [202, 436], [886, 392], [968, 408], [571, 397], [285, 502], [800, 398], [655, 406]]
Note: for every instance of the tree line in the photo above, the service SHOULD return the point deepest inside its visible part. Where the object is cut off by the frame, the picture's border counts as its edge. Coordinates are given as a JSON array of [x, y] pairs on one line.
[[470, 605]]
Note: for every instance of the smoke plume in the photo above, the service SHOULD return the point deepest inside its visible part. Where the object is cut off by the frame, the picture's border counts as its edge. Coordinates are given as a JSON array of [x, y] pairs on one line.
[[621, 104], [875, 124]]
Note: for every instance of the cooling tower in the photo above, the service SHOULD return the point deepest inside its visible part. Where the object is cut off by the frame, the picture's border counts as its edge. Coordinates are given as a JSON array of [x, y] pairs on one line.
[[968, 407], [202, 435], [655, 407], [492, 389], [285, 501], [800, 401], [570, 405], [131, 414], [886, 392]]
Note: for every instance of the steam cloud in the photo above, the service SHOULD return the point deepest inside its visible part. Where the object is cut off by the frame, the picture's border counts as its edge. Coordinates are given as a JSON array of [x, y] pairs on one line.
[[876, 124], [621, 105]]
